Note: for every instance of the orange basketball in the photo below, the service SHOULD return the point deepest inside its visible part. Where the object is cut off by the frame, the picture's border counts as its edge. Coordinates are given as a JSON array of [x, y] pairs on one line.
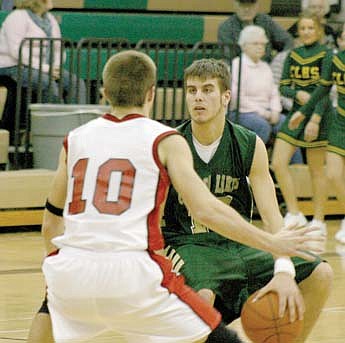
[[261, 323]]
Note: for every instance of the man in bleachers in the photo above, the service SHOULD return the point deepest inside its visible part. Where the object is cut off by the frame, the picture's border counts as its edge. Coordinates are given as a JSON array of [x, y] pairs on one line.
[[246, 13]]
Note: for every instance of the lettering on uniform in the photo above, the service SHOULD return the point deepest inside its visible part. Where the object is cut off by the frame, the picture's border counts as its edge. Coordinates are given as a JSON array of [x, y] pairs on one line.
[[305, 72], [226, 183], [339, 78]]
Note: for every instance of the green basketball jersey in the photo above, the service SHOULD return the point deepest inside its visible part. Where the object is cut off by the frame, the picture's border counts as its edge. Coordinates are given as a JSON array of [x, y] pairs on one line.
[[226, 177]]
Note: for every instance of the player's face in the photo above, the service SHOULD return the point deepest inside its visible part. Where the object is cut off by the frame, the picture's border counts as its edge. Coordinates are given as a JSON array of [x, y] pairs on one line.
[[246, 12], [308, 31], [205, 100], [255, 49]]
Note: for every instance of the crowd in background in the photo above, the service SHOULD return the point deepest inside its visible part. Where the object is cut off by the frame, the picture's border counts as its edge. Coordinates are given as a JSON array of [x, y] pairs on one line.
[[265, 99]]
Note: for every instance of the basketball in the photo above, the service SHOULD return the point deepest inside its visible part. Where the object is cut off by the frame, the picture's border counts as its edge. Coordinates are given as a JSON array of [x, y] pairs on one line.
[[261, 323]]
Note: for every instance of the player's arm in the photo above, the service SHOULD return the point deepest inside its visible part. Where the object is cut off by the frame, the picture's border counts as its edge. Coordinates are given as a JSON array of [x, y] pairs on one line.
[[53, 224], [284, 271], [263, 189], [174, 153]]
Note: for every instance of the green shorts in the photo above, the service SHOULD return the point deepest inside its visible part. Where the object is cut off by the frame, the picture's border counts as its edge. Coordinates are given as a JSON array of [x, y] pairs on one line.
[[232, 271]]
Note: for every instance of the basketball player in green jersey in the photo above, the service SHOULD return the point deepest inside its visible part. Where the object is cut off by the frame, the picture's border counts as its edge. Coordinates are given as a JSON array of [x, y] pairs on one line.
[[225, 156], [332, 73], [301, 75], [209, 126]]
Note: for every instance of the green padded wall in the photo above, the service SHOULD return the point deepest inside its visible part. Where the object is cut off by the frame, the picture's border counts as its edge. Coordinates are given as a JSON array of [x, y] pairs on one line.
[[116, 4], [187, 29]]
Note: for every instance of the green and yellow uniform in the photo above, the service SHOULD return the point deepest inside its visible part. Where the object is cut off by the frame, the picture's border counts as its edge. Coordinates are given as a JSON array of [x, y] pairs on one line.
[[231, 270], [333, 73], [302, 71]]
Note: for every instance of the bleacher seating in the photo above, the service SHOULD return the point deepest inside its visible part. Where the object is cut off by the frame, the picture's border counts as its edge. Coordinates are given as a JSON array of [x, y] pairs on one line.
[[183, 22], [174, 24], [223, 6]]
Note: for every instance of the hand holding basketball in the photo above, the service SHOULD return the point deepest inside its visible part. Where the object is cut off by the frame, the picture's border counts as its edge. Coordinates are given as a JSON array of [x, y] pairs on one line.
[[262, 324]]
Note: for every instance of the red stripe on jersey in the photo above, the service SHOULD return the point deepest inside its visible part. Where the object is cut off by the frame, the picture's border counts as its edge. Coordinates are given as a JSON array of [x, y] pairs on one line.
[[176, 285], [155, 236], [65, 144], [111, 117]]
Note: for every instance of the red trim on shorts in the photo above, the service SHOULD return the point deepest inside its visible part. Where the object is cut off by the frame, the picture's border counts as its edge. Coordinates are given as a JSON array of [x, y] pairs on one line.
[[176, 285], [155, 236], [55, 252]]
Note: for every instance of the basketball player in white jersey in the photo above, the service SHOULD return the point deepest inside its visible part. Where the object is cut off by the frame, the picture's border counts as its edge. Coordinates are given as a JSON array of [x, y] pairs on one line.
[[111, 182]]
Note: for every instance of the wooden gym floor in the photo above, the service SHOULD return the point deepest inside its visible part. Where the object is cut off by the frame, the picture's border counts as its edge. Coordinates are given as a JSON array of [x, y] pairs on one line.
[[22, 289]]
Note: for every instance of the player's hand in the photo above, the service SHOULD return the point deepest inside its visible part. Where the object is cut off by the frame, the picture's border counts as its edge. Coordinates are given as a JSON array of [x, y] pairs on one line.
[[302, 97], [296, 242], [311, 131], [296, 120], [289, 295]]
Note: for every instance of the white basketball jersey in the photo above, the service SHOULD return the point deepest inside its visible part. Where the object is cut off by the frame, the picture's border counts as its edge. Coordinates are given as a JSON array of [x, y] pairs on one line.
[[116, 185]]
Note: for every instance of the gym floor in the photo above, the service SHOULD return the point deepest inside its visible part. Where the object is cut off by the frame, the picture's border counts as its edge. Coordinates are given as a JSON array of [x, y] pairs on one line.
[[22, 289]]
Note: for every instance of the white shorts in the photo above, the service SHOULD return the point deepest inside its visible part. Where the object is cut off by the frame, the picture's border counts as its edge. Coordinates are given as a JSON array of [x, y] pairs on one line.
[[132, 293]]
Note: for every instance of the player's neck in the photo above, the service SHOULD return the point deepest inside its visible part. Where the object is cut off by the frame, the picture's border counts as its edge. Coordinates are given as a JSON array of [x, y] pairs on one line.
[[121, 112], [208, 132]]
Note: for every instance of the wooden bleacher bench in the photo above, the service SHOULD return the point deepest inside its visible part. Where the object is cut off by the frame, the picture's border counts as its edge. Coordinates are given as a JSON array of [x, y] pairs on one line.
[[23, 194]]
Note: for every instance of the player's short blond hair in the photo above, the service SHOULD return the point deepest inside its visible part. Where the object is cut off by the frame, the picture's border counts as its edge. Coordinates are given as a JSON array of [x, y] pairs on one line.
[[209, 68], [127, 77]]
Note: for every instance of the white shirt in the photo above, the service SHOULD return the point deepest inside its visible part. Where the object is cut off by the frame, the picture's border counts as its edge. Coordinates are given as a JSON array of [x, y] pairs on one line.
[[17, 26], [259, 93]]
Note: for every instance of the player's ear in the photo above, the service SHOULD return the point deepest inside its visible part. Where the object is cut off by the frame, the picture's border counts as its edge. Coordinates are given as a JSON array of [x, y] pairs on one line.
[[226, 98], [151, 94], [104, 93]]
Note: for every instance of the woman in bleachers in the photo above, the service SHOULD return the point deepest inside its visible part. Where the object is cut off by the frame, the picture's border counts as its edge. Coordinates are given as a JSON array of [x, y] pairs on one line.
[[301, 75], [32, 19], [260, 106]]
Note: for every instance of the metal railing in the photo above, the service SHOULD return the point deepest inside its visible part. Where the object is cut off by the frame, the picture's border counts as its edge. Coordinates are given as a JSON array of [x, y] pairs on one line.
[[85, 61]]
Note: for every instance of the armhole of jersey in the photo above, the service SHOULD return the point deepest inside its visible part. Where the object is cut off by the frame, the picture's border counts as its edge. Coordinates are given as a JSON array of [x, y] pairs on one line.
[[249, 158], [155, 148], [65, 145]]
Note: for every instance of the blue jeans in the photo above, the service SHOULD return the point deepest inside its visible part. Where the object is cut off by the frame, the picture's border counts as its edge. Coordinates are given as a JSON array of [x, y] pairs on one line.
[[69, 85], [256, 123]]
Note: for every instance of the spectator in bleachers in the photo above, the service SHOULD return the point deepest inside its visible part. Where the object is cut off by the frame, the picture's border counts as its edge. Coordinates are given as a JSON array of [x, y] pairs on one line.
[[277, 66], [7, 5], [246, 13], [260, 106], [32, 19], [319, 8], [301, 75]]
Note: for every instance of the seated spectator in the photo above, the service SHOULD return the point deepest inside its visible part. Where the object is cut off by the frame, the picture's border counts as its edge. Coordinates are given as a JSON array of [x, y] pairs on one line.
[[246, 13], [7, 5], [319, 8], [260, 107], [32, 19]]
